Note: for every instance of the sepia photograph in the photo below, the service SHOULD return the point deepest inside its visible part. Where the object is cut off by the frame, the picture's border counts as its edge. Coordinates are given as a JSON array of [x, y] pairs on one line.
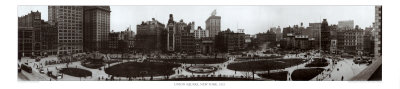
[[199, 43]]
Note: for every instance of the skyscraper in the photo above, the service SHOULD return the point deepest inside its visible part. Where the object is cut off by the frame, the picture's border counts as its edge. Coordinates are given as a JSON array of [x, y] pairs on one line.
[[378, 32], [69, 22], [213, 23], [325, 35], [315, 33], [96, 27]]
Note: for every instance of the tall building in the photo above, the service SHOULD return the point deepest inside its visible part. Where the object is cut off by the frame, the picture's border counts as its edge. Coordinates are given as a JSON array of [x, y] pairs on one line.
[[187, 40], [29, 37], [150, 36], [174, 30], [325, 36], [179, 31], [228, 41], [171, 30], [378, 32], [130, 38], [346, 25], [116, 42], [315, 34], [301, 42], [278, 32], [69, 22], [49, 40], [96, 27], [286, 31], [353, 40], [213, 24], [368, 41], [35, 36]]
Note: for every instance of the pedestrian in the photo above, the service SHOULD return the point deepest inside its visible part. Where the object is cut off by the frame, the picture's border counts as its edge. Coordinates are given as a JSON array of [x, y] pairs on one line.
[[342, 78]]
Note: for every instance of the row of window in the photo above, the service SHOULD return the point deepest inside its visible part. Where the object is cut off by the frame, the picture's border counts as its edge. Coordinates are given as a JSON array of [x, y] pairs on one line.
[[69, 41]]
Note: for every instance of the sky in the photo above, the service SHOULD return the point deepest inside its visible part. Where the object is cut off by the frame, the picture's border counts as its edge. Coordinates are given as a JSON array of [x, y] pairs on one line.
[[253, 19]]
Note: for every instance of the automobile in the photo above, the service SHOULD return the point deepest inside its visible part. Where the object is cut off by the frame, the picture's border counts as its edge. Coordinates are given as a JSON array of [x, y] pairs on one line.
[[59, 76], [37, 59], [41, 71], [361, 60]]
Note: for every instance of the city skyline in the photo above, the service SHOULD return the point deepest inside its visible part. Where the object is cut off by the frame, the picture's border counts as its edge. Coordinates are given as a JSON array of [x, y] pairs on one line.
[[80, 36], [266, 17]]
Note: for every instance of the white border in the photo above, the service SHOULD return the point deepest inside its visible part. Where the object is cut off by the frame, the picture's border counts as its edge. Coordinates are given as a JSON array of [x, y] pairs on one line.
[[391, 79]]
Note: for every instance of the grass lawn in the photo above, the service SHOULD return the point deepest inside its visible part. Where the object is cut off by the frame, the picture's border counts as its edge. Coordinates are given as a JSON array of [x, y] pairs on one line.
[[195, 61], [279, 76], [265, 65], [318, 62], [256, 58], [210, 79], [76, 72], [130, 69], [305, 74]]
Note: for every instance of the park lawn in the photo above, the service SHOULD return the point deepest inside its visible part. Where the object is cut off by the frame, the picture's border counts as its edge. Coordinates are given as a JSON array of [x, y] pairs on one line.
[[318, 62], [279, 76], [76, 72], [265, 65], [256, 58], [305, 74], [131, 69], [211, 79], [195, 61]]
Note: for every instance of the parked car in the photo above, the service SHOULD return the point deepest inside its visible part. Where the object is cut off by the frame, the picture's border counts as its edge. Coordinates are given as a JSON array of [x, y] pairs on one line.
[[361, 60], [41, 71], [59, 76]]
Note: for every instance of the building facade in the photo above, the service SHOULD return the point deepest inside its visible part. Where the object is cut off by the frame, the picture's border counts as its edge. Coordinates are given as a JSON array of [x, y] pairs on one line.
[[49, 38], [96, 27], [69, 22], [200, 33], [378, 32], [150, 36], [315, 29], [187, 40], [301, 42], [213, 24], [368, 41], [228, 41], [29, 37], [325, 35]]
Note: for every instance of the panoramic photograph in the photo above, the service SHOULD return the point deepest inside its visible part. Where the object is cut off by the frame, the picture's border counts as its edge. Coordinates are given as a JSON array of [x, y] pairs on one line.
[[199, 43]]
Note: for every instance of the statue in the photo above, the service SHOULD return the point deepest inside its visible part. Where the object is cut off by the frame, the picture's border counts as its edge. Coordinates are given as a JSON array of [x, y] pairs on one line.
[[214, 13]]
